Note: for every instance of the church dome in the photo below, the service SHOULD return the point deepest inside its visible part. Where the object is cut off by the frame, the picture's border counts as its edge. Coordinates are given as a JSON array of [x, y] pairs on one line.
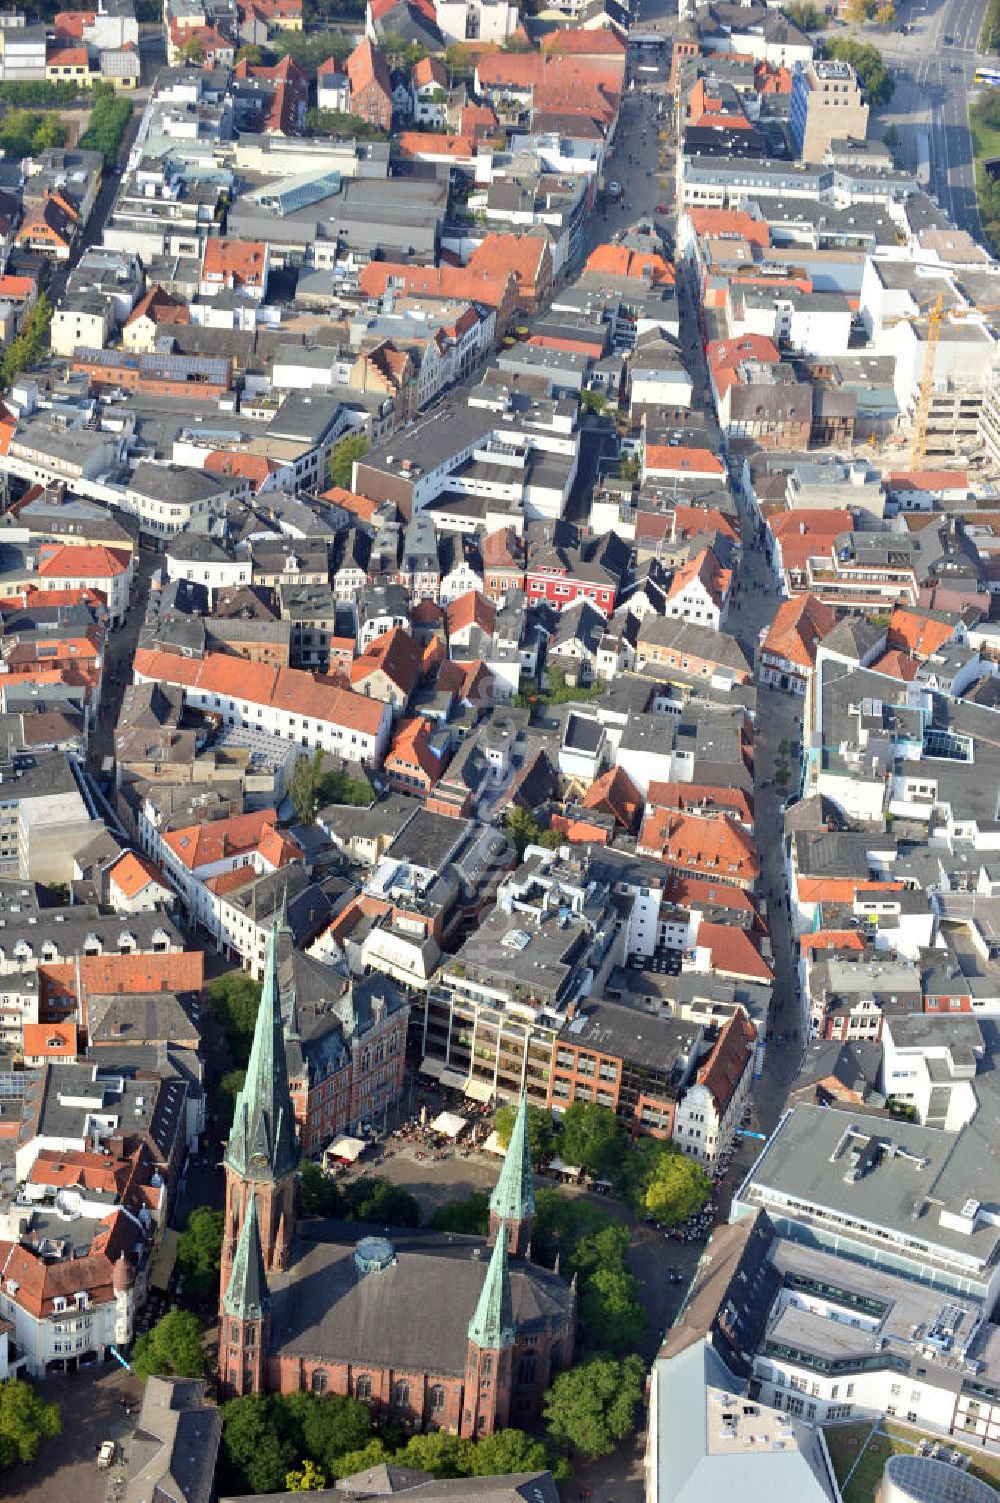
[[372, 1254]]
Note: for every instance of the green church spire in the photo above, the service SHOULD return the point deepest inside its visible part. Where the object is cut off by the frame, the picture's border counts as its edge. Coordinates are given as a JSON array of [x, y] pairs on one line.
[[246, 1296], [492, 1326], [513, 1197], [262, 1141]]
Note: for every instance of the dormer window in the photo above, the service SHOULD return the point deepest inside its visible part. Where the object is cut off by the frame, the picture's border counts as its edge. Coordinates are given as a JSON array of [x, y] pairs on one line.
[[59, 1304]]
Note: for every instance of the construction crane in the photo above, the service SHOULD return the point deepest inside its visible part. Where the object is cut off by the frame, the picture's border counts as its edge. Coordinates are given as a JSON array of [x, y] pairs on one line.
[[918, 447]]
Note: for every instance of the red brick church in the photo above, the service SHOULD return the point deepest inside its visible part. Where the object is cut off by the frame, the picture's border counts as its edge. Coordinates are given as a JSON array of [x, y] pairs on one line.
[[436, 1332]]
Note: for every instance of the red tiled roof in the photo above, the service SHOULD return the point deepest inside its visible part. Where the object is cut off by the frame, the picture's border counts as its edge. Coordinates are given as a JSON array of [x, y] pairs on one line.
[[912, 632], [831, 939], [928, 480], [615, 793], [161, 306], [395, 654], [436, 281], [620, 261], [411, 748], [66, 561], [202, 845], [897, 665], [50, 1040], [290, 689], [471, 609], [242, 261], [799, 625], [162, 971], [676, 459], [132, 872], [729, 1059], [358, 506], [705, 567], [733, 952], [715, 845], [700, 798], [423, 143], [730, 224]]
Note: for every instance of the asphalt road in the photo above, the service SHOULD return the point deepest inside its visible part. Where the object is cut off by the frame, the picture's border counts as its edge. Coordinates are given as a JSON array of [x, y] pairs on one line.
[[934, 80]]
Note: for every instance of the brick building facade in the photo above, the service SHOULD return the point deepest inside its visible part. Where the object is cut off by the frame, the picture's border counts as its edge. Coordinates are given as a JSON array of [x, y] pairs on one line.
[[312, 1309]]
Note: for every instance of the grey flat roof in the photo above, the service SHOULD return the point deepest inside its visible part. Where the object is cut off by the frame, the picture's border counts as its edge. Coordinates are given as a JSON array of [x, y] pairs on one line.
[[910, 1175]]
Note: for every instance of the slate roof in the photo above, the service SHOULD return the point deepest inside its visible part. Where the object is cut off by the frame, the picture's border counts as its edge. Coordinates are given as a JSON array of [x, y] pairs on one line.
[[323, 1310]]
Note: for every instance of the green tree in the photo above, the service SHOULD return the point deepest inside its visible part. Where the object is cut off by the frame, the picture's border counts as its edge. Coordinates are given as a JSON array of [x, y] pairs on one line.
[[524, 829], [318, 1192], [566, 1227], [31, 342], [507, 1451], [592, 1138], [336, 787], [235, 1000], [593, 401], [891, 138], [885, 15], [199, 1252], [108, 123], [303, 786], [309, 49], [258, 1451], [610, 1310], [470, 1216], [227, 1091], [375, 1453], [173, 1348], [354, 446], [592, 1407], [805, 15], [342, 126], [306, 1479], [333, 1426], [677, 1187], [866, 60], [438, 1452], [375, 1199], [25, 1421], [193, 51], [254, 56], [541, 1136]]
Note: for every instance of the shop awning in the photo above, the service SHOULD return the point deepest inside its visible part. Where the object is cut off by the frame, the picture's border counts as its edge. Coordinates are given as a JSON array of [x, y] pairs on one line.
[[494, 1145], [478, 1090], [449, 1124], [558, 1167], [455, 1080], [431, 1067], [346, 1149]]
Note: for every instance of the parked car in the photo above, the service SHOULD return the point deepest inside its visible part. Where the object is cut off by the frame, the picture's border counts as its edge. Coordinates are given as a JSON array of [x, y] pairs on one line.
[[106, 1455]]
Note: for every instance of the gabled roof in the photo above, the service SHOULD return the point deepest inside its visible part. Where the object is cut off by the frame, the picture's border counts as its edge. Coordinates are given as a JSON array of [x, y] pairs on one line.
[[367, 66], [679, 459], [615, 793], [918, 632], [706, 569], [728, 1060], [160, 306], [471, 609], [394, 653], [620, 261], [799, 625], [132, 872]]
